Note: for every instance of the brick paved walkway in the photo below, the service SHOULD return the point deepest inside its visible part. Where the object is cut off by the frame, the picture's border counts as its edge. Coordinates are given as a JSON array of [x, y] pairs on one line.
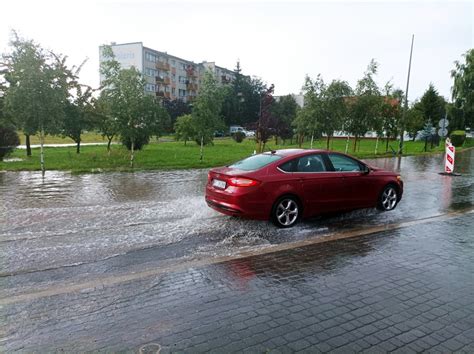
[[411, 290]]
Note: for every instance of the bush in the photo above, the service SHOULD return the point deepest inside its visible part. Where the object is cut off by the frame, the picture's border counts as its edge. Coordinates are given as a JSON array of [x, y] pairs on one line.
[[9, 140], [140, 141], [238, 136], [458, 137]]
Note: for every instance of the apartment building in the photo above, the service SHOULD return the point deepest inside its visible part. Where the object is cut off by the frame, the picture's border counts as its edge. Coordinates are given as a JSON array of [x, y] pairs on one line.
[[167, 75]]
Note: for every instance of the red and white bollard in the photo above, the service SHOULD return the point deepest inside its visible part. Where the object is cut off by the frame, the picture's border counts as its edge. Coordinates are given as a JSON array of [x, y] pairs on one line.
[[449, 159]]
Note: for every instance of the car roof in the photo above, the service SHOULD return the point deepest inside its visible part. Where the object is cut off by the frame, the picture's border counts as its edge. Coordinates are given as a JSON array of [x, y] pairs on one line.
[[294, 152]]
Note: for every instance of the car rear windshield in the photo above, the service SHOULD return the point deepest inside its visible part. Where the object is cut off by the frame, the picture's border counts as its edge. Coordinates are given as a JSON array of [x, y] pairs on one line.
[[255, 162]]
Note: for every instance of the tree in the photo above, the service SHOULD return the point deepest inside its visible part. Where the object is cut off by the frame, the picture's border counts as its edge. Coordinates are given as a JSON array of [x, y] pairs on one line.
[[206, 109], [414, 120], [266, 121], [334, 107], [463, 87], [103, 119], [432, 105], [284, 112], [175, 109], [78, 107], [138, 115], [308, 119], [184, 128], [364, 108], [35, 96], [9, 139]]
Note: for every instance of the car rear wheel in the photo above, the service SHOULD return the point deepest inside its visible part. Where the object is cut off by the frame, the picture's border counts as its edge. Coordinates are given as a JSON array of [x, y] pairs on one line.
[[286, 212], [388, 198]]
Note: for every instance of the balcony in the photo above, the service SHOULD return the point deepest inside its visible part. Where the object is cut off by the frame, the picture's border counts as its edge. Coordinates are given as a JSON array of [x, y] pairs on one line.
[[167, 94], [160, 94], [159, 79], [162, 65], [191, 87], [167, 81]]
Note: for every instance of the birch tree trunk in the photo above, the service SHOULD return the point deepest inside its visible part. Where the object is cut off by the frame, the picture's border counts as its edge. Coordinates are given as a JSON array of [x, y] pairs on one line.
[[133, 153], [42, 150], [347, 143], [202, 147], [312, 139], [376, 145]]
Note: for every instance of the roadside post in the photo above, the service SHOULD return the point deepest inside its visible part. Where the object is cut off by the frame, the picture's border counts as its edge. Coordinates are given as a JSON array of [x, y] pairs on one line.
[[449, 159]]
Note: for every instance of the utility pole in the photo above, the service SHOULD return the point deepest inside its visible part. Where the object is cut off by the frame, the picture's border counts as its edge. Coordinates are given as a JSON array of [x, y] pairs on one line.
[[400, 151]]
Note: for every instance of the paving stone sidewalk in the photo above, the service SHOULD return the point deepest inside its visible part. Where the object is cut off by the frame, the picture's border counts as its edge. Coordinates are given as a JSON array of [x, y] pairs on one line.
[[410, 290]]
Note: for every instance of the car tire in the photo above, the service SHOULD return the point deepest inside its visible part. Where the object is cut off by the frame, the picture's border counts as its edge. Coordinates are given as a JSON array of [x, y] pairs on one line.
[[286, 212], [388, 199]]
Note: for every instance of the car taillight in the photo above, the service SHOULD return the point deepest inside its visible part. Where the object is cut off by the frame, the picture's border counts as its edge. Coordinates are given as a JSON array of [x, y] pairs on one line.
[[242, 182]]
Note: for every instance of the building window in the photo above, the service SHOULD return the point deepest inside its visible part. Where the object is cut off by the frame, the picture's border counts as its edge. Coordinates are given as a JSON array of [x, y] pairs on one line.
[[182, 79], [173, 91], [181, 93], [150, 88]]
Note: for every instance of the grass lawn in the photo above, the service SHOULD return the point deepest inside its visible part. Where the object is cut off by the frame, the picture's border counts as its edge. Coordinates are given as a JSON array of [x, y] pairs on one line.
[[175, 155]]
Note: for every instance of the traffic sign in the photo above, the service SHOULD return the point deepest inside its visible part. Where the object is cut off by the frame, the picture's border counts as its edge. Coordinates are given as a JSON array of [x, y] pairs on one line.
[[443, 123], [442, 132]]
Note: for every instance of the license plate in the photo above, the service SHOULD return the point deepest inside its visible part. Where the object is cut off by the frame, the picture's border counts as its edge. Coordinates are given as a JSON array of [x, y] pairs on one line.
[[218, 183]]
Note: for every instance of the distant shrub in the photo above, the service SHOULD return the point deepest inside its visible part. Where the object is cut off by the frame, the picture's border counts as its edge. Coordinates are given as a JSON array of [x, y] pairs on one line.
[[238, 136], [458, 137], [140, 141], [9, 140]]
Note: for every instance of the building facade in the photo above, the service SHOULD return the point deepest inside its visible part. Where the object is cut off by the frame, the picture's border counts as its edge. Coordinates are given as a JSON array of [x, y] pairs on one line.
[[166, 75]]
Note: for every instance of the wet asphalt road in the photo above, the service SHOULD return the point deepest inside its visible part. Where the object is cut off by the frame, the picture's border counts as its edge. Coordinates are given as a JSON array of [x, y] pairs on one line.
[[85, 258]]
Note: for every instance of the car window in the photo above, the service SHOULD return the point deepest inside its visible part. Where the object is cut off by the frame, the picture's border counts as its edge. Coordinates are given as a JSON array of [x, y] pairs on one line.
[[255, 162], [311, 163], [344, 163], [289, 166]]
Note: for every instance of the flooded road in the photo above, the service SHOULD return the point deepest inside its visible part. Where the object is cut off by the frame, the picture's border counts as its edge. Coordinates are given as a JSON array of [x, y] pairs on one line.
[[69, 228], [138, 262]]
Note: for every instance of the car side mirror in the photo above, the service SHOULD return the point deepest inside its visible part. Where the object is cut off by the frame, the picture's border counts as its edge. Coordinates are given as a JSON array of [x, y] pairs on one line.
[[366, 170]]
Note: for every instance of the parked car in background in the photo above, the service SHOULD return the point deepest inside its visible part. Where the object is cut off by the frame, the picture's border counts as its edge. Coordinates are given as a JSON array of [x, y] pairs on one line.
[[287, 185]]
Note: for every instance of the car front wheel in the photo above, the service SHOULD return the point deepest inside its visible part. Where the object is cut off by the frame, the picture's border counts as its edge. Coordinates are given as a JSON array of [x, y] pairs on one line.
[[286, 212], [388, 198]]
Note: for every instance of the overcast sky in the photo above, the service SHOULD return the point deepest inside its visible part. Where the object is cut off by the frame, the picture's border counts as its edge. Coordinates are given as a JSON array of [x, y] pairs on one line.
[[278, 41]]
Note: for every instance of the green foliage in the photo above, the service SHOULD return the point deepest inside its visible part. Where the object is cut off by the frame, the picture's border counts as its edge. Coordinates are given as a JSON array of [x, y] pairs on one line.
[[206, 109], [137, 116], [9, 140], [308, 119], [463, 87], [175, 109], [238, 136], [37, 91], [284, 112], [432, 105], [365, 108], [241, 99], [457, 137], [414, 120], [184, 128]]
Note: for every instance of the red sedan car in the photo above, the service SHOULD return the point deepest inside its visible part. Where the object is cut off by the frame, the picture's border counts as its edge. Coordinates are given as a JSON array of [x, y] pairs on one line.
[[286, 185]]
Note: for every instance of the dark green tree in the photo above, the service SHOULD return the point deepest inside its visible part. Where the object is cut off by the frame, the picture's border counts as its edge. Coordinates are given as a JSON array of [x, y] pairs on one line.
[[284, 110]]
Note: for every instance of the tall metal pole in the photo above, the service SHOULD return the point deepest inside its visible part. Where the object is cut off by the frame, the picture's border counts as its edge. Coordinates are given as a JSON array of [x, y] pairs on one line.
[[400, 151]]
